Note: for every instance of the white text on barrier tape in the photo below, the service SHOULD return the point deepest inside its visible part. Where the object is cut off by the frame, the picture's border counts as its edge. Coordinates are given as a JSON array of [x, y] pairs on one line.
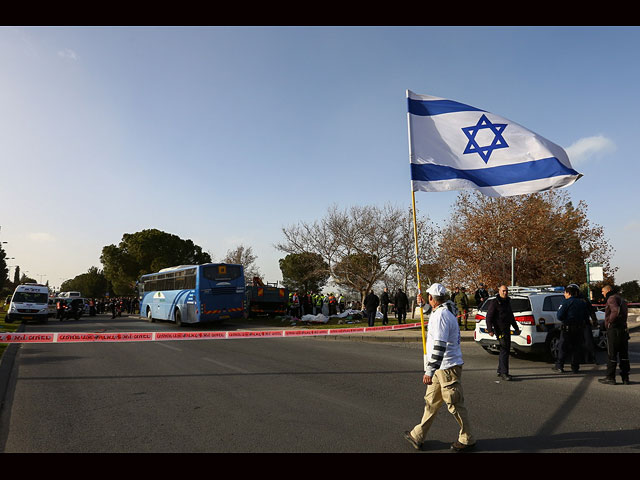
[[77, 337]]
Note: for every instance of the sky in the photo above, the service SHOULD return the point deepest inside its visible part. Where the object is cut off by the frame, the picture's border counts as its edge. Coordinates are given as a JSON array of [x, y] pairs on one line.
[[225, 135]]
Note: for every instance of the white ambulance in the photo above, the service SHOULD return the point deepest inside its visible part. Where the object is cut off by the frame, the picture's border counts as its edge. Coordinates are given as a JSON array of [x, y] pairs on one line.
[[30, 301]]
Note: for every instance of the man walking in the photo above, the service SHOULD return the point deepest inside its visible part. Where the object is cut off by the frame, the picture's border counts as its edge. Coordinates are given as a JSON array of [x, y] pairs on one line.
[[442, 373], [500, 319], [462, 303], [615, 321], [371, 303], [401, 301], [384, 306]]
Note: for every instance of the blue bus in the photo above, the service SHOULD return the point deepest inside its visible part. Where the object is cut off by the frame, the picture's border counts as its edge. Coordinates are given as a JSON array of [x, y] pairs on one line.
[[190, 294]]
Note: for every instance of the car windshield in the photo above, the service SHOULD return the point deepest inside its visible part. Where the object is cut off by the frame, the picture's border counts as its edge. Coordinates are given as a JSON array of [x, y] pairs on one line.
[[30, 297], [518, 304]]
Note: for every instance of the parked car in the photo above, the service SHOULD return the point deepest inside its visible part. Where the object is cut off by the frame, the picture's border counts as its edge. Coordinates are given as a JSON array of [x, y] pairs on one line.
[[535, 310]]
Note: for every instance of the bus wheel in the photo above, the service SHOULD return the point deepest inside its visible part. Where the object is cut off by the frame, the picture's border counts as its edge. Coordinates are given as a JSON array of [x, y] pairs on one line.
[[178, 318], [150, 315]]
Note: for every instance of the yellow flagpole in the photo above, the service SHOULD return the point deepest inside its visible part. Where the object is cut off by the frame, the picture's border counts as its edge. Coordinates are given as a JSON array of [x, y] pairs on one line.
[[415, 236]]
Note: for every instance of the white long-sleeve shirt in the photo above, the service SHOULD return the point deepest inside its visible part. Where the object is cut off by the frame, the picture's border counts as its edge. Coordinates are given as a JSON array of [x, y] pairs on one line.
[[443, 341]]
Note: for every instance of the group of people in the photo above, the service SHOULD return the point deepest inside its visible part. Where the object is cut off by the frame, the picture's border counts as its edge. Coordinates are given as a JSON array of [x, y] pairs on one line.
[[329, 304], [311, 303], [443, 356], [116, 306], [577, 315], [371, 303]]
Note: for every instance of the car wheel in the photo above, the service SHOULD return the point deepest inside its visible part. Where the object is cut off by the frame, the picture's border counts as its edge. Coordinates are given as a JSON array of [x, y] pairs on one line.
[[178, 317], [552, 344], [150, 315]]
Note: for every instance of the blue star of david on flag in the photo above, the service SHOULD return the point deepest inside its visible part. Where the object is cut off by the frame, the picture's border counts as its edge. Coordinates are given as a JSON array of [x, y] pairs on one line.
[[444, 135], [498, 140]]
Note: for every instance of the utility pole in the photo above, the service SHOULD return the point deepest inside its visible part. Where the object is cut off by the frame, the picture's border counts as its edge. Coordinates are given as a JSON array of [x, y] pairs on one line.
[[514, 251]]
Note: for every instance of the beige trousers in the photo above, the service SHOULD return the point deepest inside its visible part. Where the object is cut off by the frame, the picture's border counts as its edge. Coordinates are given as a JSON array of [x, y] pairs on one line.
[[445, 388]]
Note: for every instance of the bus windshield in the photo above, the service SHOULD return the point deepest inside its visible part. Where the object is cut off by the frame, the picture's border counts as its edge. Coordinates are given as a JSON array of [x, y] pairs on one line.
[[222, 273]]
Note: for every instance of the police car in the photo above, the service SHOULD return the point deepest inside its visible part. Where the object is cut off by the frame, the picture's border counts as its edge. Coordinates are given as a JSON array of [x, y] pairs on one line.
[[535, 310]]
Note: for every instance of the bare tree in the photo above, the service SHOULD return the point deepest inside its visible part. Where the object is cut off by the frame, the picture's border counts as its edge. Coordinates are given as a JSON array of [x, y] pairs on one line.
[[243, 256], [360, 244]]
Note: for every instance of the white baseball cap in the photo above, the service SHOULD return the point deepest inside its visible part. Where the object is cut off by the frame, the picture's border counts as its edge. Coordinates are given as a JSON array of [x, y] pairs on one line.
[[437, 290]]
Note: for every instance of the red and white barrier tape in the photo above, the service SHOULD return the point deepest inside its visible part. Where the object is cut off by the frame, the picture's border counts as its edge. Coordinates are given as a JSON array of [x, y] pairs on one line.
[[78, 337]]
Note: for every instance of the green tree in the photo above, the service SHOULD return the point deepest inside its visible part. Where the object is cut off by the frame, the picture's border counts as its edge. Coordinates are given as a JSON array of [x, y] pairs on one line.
[[92, 284], [305, 272], [25, 279], [145, 252], [358, 271], [630, 291], [4, 271]]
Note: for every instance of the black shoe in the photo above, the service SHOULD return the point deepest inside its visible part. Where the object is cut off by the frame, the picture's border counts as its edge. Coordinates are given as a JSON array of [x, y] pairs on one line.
[[461, 447], [410, 439], [625, 381], [506, 377], [607, 381], [558, 370]]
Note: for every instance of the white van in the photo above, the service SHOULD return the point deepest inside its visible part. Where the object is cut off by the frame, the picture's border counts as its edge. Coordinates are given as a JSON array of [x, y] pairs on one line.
[[30, 301]]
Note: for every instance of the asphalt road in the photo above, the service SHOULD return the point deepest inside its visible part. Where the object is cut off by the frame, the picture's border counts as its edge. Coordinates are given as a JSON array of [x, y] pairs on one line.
[[293, 395]]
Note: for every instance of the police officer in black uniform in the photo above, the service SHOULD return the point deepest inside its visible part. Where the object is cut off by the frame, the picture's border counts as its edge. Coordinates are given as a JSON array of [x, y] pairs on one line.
[[589, 342], [500, 319], [574, 315], [384, 306]]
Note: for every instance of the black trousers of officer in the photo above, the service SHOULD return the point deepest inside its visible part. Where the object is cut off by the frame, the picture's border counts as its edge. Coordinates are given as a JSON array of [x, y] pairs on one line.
[[371, 317], [505, 348], [385, 311], [589, 345], [401, 313], [618, 348], [571, 344]]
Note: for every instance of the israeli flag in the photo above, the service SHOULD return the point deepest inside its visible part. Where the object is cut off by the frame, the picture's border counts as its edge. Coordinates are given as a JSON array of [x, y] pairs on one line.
[[453, 146]]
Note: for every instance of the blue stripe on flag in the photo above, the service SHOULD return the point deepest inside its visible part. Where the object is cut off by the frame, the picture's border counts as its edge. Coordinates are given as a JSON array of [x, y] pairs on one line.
[[425, 108], [493, 176]]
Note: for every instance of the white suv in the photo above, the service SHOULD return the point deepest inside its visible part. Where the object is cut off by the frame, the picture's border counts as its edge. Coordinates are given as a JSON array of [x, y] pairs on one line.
[[534, 309]]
